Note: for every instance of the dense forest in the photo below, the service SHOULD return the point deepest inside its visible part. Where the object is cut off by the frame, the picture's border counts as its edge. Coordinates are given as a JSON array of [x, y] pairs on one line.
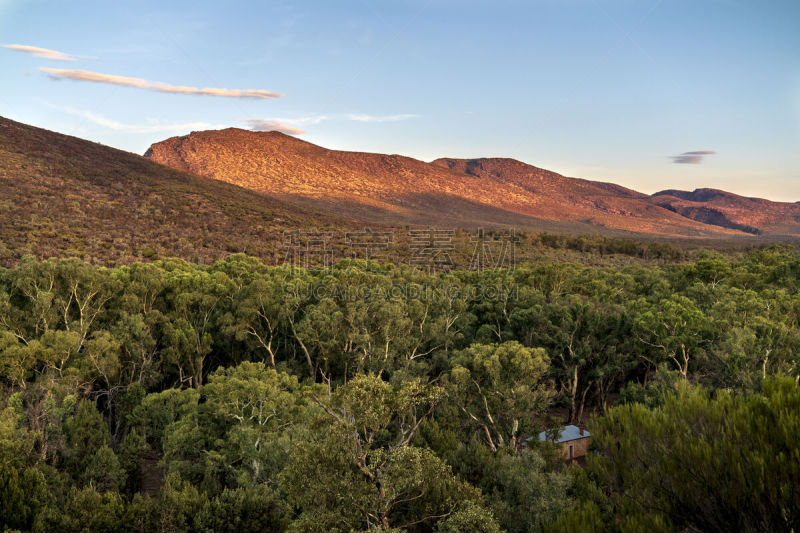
[[237, 396]]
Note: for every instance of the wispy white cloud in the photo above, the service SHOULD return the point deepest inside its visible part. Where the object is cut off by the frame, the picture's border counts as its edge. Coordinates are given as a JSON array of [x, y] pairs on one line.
[[691, 158], [261, 124], [379, 118], [308, 120], [294, 125], [41, 52], [152, 125], [96, 77]]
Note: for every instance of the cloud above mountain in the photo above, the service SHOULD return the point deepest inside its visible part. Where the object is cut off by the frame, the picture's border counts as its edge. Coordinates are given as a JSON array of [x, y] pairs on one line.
[[262, 124], [380, 118], [45, 53], [139, 83], [151, 125], [691, 158], [292, 126]]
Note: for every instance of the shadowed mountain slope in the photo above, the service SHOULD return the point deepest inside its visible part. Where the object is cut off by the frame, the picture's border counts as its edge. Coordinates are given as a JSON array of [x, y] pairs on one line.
[[60, 195], [752, 215]]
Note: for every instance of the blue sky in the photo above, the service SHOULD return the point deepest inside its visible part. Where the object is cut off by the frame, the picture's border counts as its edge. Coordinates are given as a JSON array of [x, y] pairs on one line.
[[602, 89]]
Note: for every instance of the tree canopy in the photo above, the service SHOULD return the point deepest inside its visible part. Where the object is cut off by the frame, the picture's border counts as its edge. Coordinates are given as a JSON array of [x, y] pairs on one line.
[[169, 396]]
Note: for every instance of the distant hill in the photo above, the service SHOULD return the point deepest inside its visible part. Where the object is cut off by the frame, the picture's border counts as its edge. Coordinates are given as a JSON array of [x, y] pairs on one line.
[[393, 189], [751, 215], [60, 195]]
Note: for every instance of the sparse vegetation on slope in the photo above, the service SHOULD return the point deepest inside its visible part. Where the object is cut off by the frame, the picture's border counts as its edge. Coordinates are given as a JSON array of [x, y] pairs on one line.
[[63, 196]]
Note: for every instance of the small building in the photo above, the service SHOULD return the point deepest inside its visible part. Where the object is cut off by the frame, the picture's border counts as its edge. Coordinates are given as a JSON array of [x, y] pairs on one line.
[[574, 441]]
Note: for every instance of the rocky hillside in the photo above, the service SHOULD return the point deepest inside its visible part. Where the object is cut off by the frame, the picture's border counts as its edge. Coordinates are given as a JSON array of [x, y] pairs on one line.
[[393, 189], [64, 196], [751, 215]]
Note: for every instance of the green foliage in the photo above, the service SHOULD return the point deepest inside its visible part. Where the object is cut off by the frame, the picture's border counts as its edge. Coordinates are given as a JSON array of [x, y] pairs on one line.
[[178, 506], [469, 518], [501, 389], [87, 433], [405, 487], [23, 495], [708, 462], [585, 518], [237, 396], [103, 471], [158, 410], [237, 430], [244, 511], [523, 495], [522, 490], [676, 330], [365, 473], [259, 406], [13, 434], [83, 510]]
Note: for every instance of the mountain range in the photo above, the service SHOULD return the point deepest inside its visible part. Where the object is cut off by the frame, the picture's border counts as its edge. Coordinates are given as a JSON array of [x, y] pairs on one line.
[[399, 190], [211, 193]]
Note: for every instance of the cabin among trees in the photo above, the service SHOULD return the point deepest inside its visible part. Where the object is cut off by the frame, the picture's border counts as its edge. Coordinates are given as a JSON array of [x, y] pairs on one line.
[[573, 440]]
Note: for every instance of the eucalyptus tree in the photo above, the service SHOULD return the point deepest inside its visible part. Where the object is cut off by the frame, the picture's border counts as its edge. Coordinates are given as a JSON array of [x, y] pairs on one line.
[[259, 414], [502, 391], [363, 472], [262, 313], [196, 299], [674, 330]]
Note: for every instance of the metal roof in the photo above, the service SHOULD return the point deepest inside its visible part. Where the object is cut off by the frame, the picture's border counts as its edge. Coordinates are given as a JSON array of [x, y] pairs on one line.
[[567, 433]]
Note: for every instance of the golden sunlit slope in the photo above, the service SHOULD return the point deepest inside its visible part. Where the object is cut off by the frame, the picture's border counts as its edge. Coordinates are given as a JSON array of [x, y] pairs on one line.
[[393, 189]]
